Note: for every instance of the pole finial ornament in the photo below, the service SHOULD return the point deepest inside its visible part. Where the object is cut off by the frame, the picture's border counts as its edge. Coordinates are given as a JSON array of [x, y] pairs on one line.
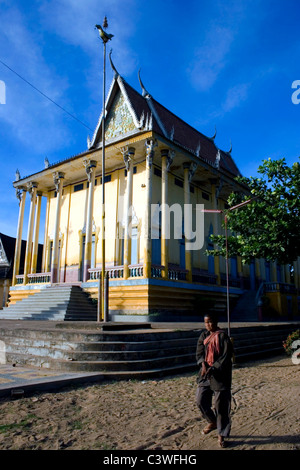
[[103, 34]]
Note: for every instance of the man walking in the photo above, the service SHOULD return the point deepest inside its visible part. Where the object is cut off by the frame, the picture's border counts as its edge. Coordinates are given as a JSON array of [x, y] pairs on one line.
[[214, 356]]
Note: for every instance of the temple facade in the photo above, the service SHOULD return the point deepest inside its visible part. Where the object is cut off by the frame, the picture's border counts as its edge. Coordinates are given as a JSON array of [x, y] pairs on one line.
[[160, 173]]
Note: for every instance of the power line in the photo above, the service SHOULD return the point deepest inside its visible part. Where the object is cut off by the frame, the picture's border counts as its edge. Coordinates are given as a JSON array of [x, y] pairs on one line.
[[43, 94]]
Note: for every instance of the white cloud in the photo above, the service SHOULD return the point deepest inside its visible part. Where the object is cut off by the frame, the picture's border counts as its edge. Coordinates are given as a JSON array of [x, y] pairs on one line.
[[28, 114], [225, 30], [235, 97], [211, 57], [74, 22]]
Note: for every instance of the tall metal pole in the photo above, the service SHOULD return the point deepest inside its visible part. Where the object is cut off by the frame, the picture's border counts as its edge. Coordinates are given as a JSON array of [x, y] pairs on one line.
[[227, 277], [219, 211], [103, 303], [104, 307]]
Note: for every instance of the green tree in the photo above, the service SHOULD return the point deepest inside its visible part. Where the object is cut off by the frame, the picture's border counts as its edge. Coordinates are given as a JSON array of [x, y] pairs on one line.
[[269, 226]]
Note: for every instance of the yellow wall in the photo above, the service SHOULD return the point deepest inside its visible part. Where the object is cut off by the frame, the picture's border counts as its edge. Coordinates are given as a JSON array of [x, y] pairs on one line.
[[74, 210]]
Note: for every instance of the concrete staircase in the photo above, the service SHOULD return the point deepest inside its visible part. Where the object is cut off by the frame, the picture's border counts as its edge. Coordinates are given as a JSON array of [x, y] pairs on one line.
[[128, 351], [59, 303], [246, 308]]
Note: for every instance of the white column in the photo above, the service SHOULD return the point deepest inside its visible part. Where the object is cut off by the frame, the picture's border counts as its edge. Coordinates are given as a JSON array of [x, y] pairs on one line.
[[128, 155], [58, 181], [150, 145], [21, 195], [90, 166], [189, 170], [216, 226], [36, 233], [166, 160], [32, 189]]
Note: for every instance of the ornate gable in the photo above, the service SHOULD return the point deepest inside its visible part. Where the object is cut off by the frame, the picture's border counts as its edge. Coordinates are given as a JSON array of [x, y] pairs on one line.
[[3, 258], [119, 120]]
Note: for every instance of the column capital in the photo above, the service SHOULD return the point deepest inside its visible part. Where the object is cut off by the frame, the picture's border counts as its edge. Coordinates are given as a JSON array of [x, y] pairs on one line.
[[58, 176], [20, 193], [89, 167], [128, 153], [150, 146], [31, 187], [191, 167], [170, 154], [164, 152], [87, 162]]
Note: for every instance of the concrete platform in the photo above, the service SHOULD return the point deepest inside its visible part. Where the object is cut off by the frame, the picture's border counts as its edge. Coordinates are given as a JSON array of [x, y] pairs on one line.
[[19, 381]]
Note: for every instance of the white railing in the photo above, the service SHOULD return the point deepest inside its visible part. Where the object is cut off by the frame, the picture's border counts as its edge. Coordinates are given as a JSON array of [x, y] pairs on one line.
[[36, 278], [115, 272]]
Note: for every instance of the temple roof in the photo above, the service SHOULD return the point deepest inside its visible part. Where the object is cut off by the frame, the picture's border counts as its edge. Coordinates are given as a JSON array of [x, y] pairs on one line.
[[149, 114], [7, 254]]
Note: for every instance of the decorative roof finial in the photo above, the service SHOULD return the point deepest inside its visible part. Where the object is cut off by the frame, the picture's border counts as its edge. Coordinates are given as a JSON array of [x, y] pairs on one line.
[[46, 162], [112, 64], [214, 136], [105, 24], [103, 34], [18, 176], [218, 159], [145, 92], [230, 150]]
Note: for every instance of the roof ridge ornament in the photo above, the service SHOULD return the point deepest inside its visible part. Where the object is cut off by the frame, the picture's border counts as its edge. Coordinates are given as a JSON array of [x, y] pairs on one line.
[[230, 150], [144, 91], [103, 34], [214, 136], [218, 158], [112, 65], [172, 133]]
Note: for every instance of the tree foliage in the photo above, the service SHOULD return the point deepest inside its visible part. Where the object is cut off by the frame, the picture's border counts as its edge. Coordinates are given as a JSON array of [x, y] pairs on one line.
[[269, 226]]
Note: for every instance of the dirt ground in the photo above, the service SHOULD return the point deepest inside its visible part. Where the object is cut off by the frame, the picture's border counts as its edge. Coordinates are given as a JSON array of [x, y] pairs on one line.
[[158, 414]]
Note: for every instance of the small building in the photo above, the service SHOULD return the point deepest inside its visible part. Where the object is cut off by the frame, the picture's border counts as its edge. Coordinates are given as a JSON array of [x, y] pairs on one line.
[[159, 175], [7, 253]]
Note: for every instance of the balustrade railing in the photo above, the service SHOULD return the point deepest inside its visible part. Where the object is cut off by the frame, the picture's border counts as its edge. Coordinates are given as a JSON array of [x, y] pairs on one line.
[[136, 270], [156, 270], [233, 281], [202, 276], [20, 279], [36, 278], [39, 278], [175, 273], [279, 287], [115, 272]]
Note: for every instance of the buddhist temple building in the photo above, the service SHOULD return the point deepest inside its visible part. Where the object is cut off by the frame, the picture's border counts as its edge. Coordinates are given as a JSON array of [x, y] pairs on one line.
[[156, 166]]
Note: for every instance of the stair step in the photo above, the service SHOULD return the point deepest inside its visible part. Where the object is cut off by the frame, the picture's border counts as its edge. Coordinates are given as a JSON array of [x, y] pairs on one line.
[[127, 353], [53, 303]]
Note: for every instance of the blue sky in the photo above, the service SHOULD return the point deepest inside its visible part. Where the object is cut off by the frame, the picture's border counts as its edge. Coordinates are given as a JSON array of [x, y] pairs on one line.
[[229, 64]]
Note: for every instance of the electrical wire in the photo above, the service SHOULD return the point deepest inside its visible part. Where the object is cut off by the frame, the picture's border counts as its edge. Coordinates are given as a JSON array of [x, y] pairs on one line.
[[43, 94]]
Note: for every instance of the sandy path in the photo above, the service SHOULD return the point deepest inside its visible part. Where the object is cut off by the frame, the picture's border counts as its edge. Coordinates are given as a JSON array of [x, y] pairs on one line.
[[159, 414]]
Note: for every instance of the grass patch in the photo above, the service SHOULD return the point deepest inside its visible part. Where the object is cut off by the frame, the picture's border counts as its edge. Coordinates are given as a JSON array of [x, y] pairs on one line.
[[4, 428]]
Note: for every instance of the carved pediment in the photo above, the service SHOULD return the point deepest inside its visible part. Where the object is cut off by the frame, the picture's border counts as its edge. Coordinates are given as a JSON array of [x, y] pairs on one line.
[[119, 120]]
